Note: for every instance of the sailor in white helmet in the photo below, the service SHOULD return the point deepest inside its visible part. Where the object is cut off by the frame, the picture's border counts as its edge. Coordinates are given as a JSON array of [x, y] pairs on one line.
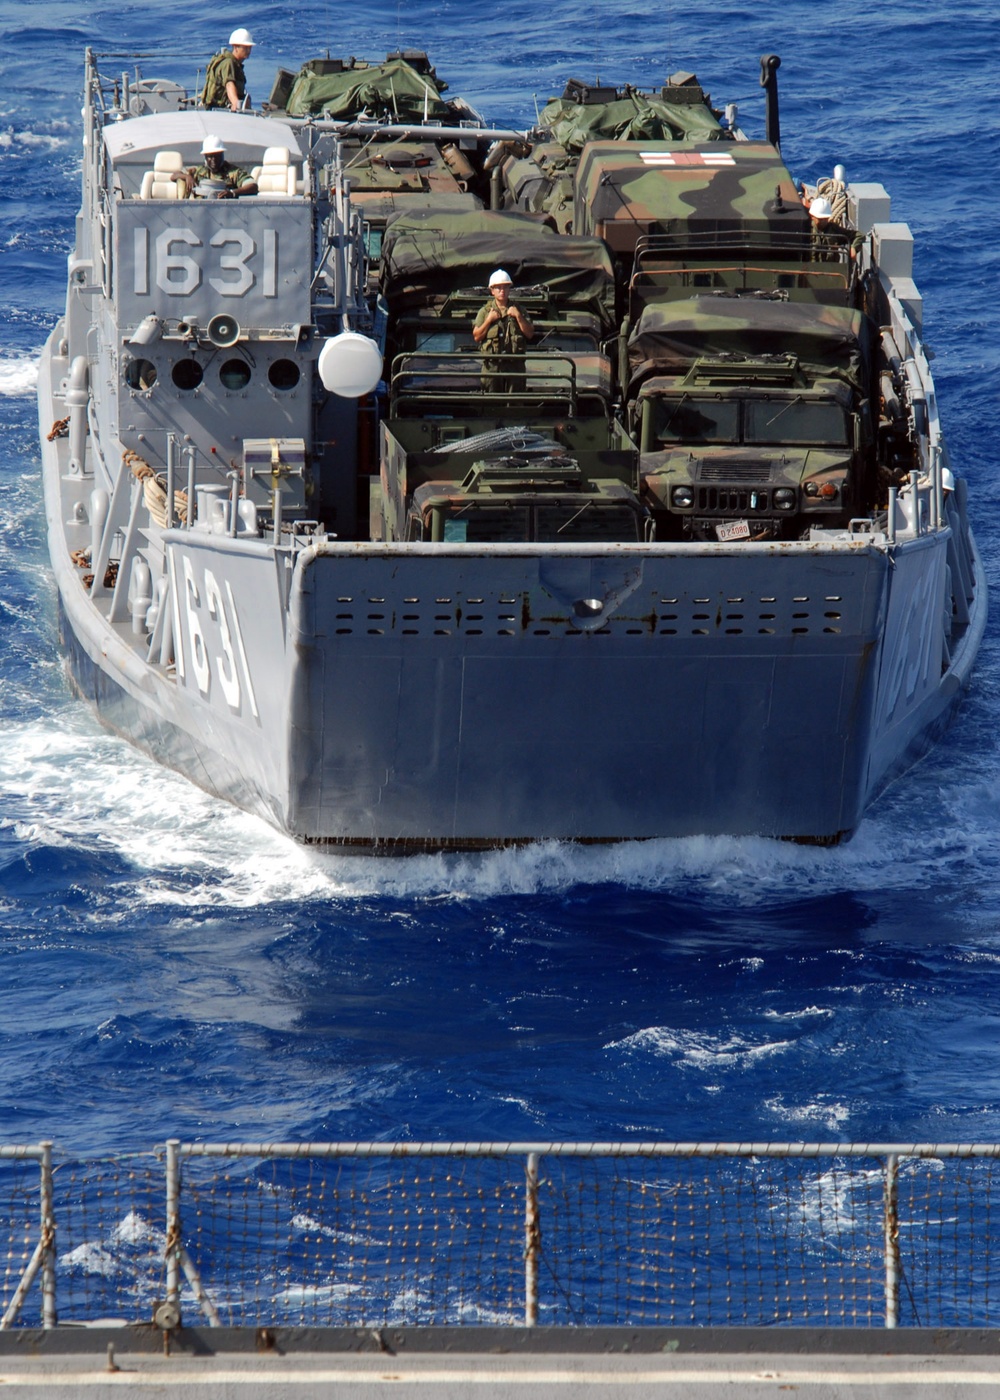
[[225, 80], [501, 331], [831, 242], [215, 177]]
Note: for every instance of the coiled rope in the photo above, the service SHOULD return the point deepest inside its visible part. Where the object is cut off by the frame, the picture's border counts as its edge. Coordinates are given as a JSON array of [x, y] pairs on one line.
[[836, 192], [154, 490]]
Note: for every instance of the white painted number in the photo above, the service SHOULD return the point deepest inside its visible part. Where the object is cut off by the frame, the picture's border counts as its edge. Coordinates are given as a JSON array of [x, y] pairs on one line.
[[207, 627], [192, 608], [169, 263], [225, 664], [234, 262], [178, 254]]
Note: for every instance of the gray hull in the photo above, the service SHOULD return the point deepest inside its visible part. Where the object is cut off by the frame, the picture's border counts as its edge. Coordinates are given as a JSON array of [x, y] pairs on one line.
[[426, 698]]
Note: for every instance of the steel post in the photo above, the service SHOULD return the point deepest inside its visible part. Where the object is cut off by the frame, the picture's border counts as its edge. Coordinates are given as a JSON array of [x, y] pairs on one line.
[[48, 1240], [189, 456], [915, 501], [173, 1220], [532, 1240], [891, 1221], [171, 472], [937, 480]]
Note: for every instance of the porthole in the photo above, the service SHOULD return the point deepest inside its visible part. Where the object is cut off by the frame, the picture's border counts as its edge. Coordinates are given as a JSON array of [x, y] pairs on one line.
[[235, 375], [140, 374], [187, 374], [283, 374]]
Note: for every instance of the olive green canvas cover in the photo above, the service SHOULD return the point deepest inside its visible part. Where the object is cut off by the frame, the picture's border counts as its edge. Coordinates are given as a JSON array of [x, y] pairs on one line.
[[669, 337], [393, 88], [634, 117], [426, 253]]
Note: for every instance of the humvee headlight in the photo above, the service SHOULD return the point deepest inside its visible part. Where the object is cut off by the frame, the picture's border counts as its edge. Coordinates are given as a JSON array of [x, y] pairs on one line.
[[784, 498], [682, 497]]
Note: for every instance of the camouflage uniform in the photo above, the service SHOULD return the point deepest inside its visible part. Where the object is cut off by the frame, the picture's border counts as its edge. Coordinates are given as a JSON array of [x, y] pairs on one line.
[[234, 175], [224, 68], [833, 243], [506, 338]]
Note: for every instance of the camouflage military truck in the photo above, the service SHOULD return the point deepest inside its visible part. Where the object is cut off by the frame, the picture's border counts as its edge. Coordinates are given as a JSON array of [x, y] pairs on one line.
[[544, 460], [542, 179], [745, 363], [746, 357], [753, 420]]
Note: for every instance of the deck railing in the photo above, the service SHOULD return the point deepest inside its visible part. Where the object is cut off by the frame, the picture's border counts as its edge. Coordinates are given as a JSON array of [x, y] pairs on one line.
[[520, 1233]]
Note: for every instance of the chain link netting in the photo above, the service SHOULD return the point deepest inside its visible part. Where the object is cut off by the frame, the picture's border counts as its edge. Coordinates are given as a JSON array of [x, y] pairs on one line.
[[712, 1242], [359, 1241], [19, 1222], [315, 1239], [110, 1239]]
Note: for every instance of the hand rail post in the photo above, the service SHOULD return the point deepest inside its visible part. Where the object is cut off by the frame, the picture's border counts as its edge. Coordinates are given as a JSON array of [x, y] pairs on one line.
[[50, 1318], [891, 1220], [532, 1240], [173, 1220]]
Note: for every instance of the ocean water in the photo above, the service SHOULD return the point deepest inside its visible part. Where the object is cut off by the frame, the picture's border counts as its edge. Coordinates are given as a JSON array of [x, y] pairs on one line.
[[172, 967]]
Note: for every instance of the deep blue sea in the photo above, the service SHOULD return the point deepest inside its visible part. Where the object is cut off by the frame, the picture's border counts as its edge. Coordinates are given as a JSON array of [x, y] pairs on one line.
[[170, 966]]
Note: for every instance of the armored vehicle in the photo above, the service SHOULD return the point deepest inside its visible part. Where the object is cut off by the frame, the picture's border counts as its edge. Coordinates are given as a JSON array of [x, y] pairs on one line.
[[692, 559]]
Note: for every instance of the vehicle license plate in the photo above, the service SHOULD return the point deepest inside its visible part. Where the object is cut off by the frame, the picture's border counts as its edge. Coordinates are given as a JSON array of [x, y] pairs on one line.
[[733, 530]]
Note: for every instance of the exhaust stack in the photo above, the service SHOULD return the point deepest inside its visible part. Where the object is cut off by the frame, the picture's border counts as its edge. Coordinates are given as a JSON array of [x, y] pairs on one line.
[[769, 65]]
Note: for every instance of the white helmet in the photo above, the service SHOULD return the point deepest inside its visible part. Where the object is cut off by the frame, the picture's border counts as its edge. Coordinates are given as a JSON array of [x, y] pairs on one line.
[[241, 36], [821, 208], [212, 145], [500, 278]]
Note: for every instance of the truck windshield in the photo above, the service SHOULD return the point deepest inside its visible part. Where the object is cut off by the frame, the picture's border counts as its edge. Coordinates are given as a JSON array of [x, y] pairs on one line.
[[544, 523], [798, 420], [698, 420]]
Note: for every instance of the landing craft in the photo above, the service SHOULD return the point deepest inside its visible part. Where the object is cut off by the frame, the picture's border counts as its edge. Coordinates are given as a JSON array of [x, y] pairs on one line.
[[700, 565]]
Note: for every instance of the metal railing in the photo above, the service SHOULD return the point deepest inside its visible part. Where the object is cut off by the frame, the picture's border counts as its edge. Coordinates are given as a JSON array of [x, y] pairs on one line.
[[518, 1233], [43, 1256], [463, 376]]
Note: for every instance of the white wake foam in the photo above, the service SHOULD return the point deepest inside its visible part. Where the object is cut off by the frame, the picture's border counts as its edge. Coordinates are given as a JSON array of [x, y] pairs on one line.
[[18, 375], [60, 134], [66, 781], [700, 1049]]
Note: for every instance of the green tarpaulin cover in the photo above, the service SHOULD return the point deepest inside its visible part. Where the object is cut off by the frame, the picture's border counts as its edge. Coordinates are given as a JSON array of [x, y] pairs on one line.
[[392, 88]]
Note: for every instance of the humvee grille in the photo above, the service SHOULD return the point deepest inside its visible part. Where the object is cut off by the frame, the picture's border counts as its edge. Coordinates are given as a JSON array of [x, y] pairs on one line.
[[724, 469], [724, 500]]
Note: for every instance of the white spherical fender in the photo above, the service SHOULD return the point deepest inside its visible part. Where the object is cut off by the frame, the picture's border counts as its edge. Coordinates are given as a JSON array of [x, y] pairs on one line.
[[350, 365]]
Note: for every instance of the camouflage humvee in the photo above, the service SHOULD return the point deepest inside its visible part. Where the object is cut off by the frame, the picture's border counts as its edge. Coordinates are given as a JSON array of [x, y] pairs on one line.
[[746, 359], [521, 487]]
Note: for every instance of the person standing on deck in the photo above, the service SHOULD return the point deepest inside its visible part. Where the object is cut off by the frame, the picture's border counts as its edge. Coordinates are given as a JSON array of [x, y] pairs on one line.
[[502, 330], [225, 80]]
